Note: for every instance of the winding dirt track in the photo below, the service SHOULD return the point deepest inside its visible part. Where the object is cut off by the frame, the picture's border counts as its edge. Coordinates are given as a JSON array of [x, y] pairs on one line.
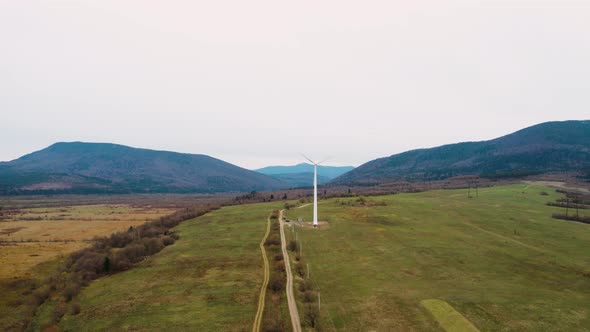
[[290, 297], [261, 298]]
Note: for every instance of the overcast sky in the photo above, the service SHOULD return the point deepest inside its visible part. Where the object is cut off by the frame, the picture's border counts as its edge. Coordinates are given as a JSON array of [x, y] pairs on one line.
[[258, 82]]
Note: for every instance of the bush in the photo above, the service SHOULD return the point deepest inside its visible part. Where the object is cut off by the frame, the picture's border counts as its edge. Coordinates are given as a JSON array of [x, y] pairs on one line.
[[305, 285], [75, 308], [152, 245], [120, 239], [293, 245], [312, 314], [280, 266], [277, 282], [279, 257], [273, 240], [168, 240], [71, 291], [274, 324], [121, 263], [59, 311], [134, 252], [299, 269], [41, 294], [309, 297]]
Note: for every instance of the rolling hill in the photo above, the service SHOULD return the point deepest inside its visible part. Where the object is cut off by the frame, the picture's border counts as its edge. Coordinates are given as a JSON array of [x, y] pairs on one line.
[[301, 175], [547, 147], [109, 168]]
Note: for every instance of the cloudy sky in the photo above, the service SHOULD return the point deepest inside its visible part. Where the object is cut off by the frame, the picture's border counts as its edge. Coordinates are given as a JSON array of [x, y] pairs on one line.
[[257, 82]]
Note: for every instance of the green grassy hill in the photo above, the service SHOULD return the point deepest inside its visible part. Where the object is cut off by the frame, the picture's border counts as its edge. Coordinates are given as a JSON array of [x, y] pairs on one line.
[[499, 260], [209, 280], [406, 262]]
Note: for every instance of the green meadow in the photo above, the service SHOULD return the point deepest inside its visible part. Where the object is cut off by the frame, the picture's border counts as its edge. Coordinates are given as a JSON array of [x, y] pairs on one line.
[[209, 280], [498, 260], [428, 261]]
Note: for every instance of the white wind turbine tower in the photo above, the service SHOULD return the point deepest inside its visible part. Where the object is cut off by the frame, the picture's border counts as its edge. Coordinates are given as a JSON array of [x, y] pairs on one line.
[[315, 190]]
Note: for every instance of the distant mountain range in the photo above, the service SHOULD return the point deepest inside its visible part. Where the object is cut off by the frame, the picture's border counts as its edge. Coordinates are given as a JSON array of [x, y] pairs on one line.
[[109, 168], [547, 147], [301, 175]]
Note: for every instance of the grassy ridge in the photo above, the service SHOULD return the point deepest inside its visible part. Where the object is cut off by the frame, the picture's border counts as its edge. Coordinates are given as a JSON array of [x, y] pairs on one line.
[[499, 259], [208, 280]]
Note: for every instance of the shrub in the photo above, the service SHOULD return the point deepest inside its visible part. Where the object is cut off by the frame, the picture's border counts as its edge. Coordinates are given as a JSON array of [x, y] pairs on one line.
[[279, 257], [168, 240], [120, 239], [277, 282], [305, 285], [292, 245], [280, 266], [59, 311], [309, 297], [273, 324], [312, 314], [299, 269], [273, 240], [134, 252], [152, 245], [41, 294], [71, 291], [75, 308], [121, 263]]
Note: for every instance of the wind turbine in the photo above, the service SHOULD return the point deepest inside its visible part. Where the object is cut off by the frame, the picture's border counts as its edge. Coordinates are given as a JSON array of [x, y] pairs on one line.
[[315, 190]]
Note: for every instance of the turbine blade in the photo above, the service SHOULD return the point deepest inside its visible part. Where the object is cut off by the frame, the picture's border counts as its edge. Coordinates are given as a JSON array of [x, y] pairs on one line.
[[311, 161], [323, 161]]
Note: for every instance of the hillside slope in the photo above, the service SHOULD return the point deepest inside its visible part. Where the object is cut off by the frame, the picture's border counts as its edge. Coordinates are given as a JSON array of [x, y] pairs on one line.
[[547, 147], [109, 168], [298, 180], [301, 175]]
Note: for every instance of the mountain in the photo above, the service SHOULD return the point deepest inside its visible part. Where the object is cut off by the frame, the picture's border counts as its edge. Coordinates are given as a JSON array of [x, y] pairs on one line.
[[301, 175], [547, 147], [109, 168], [329, 172], [297, 180]]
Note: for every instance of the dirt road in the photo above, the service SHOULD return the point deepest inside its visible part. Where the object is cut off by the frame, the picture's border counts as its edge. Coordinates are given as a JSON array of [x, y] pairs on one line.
[[290, 297], [261, 298]]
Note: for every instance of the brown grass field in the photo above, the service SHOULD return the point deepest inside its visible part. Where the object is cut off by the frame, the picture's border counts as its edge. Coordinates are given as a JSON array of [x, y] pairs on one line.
[[32, 236]]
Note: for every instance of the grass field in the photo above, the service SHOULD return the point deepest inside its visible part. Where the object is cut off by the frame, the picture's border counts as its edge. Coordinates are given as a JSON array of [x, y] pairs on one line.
[[35, 235], [499, 260], [34, 240], [209, 280], [428, 261]]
